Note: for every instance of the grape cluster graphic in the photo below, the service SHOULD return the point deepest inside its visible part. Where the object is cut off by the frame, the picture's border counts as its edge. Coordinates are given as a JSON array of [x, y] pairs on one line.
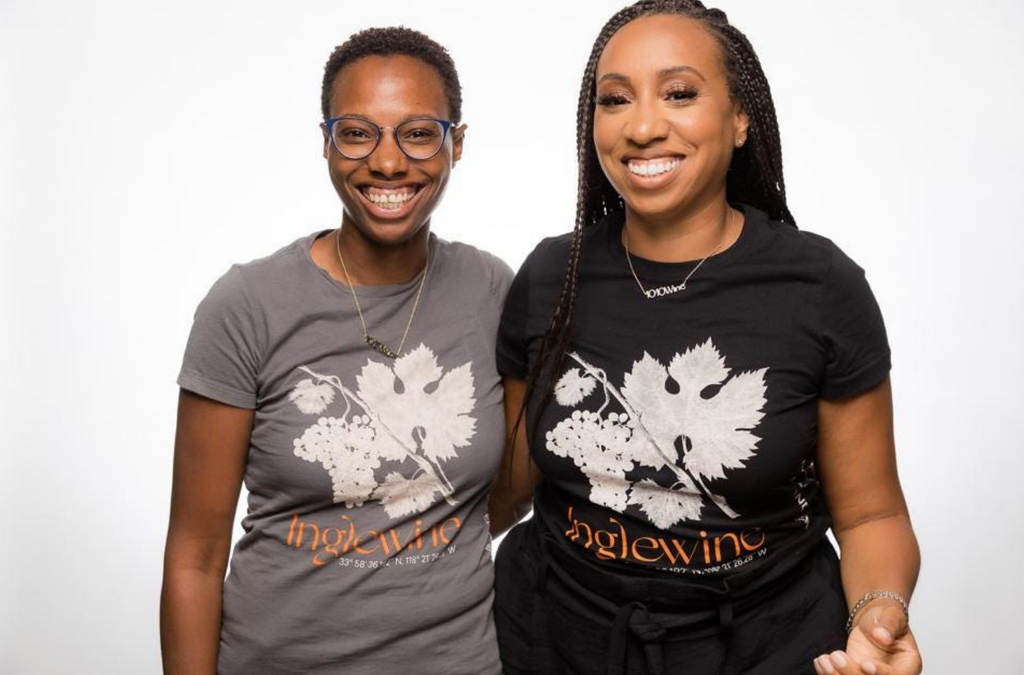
[[410, 418], [696, 430]]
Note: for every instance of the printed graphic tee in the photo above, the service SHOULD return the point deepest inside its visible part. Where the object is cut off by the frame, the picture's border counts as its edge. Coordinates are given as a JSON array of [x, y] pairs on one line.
[[681, 436], [366, 545]]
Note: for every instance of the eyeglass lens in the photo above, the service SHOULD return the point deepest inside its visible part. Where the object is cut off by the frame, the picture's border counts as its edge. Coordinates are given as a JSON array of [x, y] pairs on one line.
[[419, 139]]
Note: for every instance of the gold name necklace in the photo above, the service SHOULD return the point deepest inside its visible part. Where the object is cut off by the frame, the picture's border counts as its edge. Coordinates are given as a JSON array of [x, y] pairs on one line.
[[661, 291], [370, 340]]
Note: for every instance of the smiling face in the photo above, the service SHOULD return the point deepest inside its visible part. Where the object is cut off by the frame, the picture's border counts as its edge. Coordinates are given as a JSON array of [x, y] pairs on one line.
[[387, 196], [665, 126]]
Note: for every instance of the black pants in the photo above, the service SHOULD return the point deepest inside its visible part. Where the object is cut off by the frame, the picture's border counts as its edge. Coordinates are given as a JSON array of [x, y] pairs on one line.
[[557, 614]]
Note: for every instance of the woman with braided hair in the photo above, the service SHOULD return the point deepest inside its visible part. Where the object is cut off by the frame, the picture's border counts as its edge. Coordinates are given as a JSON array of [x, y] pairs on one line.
[[697, 391]]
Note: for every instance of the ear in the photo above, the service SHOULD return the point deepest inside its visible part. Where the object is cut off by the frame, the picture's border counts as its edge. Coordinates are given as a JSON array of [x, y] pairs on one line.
[[327, 141], [741, 123], [458, 135]]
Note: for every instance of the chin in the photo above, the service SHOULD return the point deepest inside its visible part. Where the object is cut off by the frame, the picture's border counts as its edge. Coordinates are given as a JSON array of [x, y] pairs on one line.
[[384, 230], [657, 207], [387, 233]]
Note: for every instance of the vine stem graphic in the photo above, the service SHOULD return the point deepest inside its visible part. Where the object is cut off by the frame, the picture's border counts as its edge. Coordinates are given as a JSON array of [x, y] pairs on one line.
[[681, 471], [420, 437], [424, 463]]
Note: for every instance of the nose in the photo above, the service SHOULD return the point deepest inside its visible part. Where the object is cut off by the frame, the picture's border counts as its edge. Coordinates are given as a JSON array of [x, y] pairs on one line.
[[647, 123], [388, 160]]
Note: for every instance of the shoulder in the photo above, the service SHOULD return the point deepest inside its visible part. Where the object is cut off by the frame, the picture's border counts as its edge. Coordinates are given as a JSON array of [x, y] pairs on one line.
[[470, 264], [245, 286], [468, 256], [813, 254], [549, 257], [269, 269], [840, 284], [834, 265], [261, 279]]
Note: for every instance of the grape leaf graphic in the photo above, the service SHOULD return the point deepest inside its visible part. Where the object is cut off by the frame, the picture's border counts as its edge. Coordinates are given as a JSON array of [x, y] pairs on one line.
[[665, 507], [403, 496], [573, 387], [714, 432], [310, 397], [419, 405]]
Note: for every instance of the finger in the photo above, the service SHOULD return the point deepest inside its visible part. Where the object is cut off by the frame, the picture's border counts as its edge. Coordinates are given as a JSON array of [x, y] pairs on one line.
[[843, 664], [872, 667], [823, 665], [885, 624], [903, 666]]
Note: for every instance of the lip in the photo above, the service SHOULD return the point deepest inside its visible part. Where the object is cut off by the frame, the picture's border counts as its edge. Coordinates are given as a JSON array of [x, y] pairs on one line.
[[652, 154], [652, 182], [390, 214]]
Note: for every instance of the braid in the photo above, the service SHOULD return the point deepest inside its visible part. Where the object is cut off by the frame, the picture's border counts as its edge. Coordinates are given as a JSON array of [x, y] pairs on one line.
[[755, 175], [589, 204]]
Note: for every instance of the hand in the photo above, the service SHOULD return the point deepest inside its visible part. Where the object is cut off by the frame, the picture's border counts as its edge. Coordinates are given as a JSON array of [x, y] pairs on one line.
[[880, 644]]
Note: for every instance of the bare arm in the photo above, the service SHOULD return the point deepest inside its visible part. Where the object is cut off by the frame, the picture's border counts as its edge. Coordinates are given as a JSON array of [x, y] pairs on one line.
[[857, 460], [210, 449], [512, 490]]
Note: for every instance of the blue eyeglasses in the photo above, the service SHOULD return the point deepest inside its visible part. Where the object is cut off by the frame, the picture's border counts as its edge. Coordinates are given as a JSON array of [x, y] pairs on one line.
[[357, 138]]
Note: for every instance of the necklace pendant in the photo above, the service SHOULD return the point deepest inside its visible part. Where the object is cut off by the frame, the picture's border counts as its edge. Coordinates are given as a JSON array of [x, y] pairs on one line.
[[381, 347], [662, 291]]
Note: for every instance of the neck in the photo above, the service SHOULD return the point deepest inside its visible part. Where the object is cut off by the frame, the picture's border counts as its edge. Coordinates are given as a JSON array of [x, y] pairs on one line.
[[371, 263], [690, 235]]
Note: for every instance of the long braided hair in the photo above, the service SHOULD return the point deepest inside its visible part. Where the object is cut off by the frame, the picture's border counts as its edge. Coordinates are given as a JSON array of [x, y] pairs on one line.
[[755, 173]]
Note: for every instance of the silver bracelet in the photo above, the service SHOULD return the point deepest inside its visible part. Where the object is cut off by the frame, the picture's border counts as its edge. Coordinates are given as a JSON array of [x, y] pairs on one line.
[[874, 595]]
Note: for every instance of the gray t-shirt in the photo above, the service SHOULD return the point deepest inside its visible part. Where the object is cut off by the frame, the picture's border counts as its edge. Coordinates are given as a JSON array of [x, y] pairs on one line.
[[366, 544]]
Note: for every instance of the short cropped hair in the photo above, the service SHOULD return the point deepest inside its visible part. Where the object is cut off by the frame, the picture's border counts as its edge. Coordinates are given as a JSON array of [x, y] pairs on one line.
[[394, 41]]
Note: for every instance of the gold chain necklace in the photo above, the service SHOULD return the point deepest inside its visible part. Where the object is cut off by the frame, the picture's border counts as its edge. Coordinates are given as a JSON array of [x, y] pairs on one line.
[[661, 291], [370, 340]]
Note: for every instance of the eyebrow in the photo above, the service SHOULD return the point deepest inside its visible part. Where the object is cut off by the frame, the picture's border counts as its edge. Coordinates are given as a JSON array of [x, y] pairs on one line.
[[664, 72], [407, 118]]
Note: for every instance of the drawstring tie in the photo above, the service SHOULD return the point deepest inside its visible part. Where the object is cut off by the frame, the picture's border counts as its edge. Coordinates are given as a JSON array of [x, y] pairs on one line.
[[635, 618], [634, 621]]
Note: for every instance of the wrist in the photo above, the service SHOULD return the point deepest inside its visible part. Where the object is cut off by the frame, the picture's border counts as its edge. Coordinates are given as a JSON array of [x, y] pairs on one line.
[[875, 599]]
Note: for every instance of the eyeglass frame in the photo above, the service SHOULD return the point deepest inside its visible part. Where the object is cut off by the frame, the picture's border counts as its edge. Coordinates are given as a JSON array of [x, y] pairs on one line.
[[328, 126]]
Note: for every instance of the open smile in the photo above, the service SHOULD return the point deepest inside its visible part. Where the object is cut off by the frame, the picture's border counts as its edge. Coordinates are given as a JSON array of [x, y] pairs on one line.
[[653, 172], [390, 202]]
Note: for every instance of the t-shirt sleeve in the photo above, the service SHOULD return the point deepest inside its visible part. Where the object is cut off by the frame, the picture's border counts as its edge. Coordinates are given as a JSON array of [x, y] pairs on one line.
[[222, 355], [857, 348], [512, 348], [501, 279]]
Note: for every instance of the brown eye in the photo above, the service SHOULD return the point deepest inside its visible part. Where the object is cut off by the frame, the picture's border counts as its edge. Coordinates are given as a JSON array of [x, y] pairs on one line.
[[684, 95], [610, 100]]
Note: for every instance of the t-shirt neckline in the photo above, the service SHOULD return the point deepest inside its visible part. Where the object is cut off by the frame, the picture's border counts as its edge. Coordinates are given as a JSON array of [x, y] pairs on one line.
[[368, 291], [753, 221]]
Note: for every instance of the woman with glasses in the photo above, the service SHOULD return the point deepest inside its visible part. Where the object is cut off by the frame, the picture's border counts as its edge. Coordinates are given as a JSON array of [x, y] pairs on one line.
[[349, 379], [706, 393]]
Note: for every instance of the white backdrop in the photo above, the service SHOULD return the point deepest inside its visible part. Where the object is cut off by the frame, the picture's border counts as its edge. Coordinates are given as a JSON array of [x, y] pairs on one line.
[[144, 146]]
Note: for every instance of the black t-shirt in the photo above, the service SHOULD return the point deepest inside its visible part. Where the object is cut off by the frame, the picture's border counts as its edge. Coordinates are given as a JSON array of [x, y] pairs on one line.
[[683, 429]]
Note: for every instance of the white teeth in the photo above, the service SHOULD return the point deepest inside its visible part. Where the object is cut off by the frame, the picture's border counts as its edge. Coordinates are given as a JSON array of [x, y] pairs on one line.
[[652, 168], [389, 200]]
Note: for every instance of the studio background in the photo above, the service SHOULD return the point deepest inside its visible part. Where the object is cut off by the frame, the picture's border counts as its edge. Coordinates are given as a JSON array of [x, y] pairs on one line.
[[146, 146]]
